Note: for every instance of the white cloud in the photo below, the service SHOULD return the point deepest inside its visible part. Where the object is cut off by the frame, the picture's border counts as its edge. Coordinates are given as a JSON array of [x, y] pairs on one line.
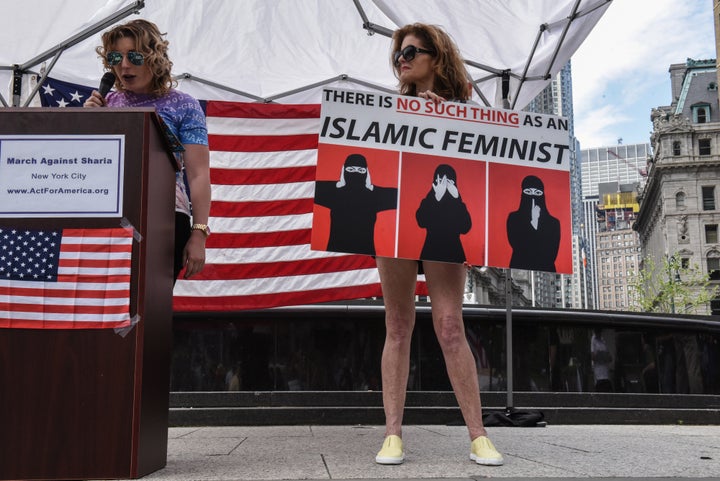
[[620, 72]]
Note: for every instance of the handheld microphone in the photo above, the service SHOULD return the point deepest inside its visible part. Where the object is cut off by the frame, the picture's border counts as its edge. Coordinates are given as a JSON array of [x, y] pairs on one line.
[[106, 83]]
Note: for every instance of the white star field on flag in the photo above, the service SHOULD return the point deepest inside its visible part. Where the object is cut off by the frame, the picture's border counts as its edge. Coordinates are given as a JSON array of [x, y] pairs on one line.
[[29, 255]]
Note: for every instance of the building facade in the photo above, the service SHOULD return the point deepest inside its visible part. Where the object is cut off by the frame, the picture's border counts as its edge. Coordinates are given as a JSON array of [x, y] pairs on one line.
[[618, 246], [613, 165], [680, 205]]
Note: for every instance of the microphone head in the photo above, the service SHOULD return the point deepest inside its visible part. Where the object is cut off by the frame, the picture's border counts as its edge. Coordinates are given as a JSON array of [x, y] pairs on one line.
[[106, 83]]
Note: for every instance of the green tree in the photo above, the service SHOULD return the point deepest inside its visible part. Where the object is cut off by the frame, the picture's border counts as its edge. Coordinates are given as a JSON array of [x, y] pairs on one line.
[[671, 288]]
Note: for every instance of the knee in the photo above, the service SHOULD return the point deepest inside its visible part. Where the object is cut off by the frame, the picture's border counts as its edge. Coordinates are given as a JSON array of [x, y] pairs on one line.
[[398, 330], [451, 334]]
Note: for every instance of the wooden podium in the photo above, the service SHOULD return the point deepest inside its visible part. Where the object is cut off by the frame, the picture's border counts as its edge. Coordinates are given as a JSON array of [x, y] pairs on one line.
[[93, 403]]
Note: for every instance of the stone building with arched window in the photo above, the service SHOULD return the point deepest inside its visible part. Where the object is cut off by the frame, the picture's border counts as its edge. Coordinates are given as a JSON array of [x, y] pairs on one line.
[[679, 205]]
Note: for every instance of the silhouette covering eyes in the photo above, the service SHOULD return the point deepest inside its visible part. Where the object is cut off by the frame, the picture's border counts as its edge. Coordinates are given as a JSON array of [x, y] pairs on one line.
[[354, 203], [445, 217], [533, 233]]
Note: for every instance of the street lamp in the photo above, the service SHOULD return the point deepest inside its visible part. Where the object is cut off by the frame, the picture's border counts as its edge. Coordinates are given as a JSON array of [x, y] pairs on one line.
[[673, 281]]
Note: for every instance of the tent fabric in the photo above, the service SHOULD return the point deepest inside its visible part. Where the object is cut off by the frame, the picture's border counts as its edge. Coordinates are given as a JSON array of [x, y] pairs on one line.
[[288, 50]]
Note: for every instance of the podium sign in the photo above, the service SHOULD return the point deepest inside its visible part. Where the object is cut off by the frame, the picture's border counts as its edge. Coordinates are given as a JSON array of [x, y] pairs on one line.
[[89, 403], [61, 175]]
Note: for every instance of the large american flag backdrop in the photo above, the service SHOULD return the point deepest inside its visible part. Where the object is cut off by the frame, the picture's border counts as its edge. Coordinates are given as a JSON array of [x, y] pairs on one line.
[[68, 278], [262, 170]]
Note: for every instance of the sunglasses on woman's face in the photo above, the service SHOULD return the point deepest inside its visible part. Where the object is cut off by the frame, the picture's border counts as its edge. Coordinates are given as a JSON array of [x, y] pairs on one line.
[[408, 53], [135, 58]]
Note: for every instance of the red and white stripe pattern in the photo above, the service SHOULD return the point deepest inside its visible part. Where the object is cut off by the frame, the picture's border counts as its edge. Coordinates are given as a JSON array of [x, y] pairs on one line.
[[262, 169], [69, 279]]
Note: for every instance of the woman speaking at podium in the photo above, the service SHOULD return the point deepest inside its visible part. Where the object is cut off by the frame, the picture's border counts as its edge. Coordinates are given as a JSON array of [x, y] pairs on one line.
[[136, 53]]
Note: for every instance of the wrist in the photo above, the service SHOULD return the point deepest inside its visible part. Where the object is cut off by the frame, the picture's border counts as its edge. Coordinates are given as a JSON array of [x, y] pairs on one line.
[[203, 228]]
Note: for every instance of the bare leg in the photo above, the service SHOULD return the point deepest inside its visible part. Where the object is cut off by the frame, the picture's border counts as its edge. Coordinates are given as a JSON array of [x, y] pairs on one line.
[[398, 278], [446, 284]]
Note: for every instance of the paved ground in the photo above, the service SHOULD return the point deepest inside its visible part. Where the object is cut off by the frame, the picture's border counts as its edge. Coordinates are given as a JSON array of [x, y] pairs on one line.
[[432, 452]]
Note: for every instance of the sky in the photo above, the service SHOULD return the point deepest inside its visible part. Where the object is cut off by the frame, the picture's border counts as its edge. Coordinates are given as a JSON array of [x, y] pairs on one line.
[[620, 72]]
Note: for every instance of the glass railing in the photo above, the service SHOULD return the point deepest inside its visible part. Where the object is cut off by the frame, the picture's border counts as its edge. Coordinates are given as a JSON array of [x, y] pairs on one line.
[[338, 348]]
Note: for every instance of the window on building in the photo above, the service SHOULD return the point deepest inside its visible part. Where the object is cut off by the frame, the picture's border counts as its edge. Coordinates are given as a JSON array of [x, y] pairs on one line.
[[708, 197], [685, 262], [680, 200], [701, 115], [712, 86], [676, 148], [711, 233], [713, 267], [704, 147]]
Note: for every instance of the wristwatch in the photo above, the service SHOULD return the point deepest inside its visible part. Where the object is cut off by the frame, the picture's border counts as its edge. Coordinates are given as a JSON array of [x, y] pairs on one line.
[[202, 227]]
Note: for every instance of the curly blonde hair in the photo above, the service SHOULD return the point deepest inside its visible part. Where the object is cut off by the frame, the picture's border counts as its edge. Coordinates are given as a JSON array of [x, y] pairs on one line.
[[149, 41], [451, 80]]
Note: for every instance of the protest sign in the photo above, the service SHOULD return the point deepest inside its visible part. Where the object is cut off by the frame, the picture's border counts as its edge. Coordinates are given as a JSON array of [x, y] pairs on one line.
[[401, 176]]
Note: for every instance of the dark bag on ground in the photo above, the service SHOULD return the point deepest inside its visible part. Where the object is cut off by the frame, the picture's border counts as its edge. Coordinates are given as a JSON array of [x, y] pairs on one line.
[[514, 419]]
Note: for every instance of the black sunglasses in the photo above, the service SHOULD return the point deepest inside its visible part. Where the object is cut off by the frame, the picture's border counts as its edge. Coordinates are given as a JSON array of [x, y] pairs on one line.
[[135, 58], [408, 53]]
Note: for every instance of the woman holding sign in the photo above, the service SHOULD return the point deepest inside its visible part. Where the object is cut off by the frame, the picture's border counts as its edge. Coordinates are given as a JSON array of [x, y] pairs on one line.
[[428, 65]]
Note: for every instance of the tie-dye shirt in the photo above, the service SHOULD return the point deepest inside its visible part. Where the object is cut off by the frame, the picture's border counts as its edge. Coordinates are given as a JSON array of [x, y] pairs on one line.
[[184, 118]]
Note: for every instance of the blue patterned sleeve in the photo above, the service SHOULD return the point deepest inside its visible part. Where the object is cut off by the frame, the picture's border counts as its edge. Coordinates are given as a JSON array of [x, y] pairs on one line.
[[193, 129]]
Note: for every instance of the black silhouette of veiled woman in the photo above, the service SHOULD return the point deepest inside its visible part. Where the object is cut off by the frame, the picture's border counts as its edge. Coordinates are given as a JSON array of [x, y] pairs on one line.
[[533, 233], [445, 217], [354, 203]]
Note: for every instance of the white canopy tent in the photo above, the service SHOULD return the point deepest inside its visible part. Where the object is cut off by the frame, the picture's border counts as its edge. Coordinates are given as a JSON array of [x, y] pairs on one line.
[[288, 50]]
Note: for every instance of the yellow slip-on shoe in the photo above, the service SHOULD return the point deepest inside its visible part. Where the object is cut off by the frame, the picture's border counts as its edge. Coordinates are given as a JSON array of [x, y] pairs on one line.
[[483, 452], [391, 452]]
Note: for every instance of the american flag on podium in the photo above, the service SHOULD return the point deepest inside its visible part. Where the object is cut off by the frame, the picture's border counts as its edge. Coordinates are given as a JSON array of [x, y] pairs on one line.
[[65, 279]]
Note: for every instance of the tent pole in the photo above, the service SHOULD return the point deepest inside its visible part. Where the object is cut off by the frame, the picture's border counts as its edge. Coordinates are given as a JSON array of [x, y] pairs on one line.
[[188, 76], [524, 76], [505, 89], [505, 78], [61, 47], [44, 73], [509, 338], [79, 37], [368, 25], [342, 77], [16, 86]]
